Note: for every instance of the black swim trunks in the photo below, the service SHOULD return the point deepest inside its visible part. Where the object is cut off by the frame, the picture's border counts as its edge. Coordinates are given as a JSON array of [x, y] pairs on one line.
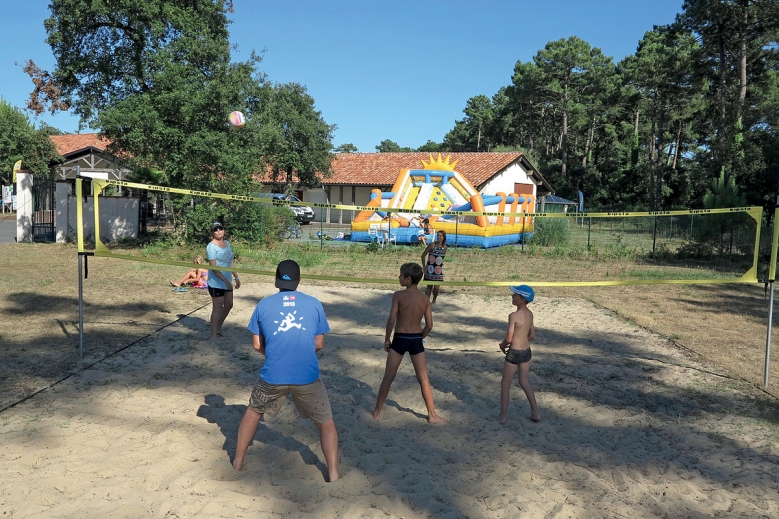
[[217, 292], [518, 356], [407, 342]]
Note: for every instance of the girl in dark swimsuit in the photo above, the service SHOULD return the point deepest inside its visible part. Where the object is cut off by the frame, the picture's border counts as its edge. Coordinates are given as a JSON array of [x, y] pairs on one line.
[[433, 262]]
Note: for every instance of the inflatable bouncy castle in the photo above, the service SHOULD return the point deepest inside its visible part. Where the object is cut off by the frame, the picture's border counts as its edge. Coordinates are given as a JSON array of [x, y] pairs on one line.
[[435, 189]]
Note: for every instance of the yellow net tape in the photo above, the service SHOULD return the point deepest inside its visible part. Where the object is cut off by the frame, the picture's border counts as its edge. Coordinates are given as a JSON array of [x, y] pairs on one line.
[[750, 276]]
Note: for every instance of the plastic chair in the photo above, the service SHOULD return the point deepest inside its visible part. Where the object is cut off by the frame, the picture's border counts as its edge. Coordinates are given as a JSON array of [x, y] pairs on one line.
[[374, 236], [388, 237]]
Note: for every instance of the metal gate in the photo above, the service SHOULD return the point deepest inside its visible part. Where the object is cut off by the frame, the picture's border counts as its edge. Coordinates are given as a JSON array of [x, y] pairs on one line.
[[44, 205]]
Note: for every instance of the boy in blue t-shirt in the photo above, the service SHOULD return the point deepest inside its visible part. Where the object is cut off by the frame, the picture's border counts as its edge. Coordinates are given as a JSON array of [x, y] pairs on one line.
[[289, 328]]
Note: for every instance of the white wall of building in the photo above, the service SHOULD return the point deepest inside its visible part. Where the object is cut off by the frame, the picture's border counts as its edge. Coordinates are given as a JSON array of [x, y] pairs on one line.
[[118, 216], [24, 206], [338, 195], [504, 182]]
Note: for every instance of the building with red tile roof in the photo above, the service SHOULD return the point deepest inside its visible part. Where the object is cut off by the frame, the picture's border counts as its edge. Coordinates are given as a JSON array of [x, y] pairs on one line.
[[381, 169], [354, 175], [86, 153]]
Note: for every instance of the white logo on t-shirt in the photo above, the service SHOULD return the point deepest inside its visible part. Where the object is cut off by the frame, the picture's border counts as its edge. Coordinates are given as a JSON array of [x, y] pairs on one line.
[[288, 323]]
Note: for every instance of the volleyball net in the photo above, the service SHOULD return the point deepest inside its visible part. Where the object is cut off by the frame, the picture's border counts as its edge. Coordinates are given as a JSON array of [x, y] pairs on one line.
[[552, 249]]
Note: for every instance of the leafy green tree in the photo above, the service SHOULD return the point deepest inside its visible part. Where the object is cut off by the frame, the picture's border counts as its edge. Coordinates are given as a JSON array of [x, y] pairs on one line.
[[737, 38], [157, 79], [564, 64], [473, 132], [661, 72], [431, 147], [458, 139], [19, 140], [109, 51], [346, 148], [526, 104], [389, 146], [298, 139], [479, 114], [724, 193]]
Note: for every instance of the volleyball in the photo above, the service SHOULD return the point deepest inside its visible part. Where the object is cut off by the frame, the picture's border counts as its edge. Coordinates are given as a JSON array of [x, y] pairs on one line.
[[236, 119]]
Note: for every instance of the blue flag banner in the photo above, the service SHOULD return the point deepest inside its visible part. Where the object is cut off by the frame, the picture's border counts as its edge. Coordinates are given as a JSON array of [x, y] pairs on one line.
[[581, 202]]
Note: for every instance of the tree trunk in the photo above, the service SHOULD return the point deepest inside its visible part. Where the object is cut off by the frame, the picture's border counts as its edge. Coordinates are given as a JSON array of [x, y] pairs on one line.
[[742, 62], [721, 125], [564, 140], [659, 163], [652, 155], [677, 143], [635, 144], [588, 144]]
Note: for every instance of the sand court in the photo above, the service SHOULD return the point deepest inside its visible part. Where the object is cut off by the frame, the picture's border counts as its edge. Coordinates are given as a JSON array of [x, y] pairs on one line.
[[632, 426]]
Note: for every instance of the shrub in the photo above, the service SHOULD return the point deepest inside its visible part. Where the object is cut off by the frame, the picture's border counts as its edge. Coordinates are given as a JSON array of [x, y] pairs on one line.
[[249, 222], [550, 232]]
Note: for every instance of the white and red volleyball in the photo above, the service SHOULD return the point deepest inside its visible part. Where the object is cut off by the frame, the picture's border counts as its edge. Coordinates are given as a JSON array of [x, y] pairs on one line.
[[236, 119]]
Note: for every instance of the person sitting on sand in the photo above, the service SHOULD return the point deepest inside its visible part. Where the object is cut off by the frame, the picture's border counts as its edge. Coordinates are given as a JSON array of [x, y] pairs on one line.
[[425, 232], [516, 346], [198, 277], [409, 307]]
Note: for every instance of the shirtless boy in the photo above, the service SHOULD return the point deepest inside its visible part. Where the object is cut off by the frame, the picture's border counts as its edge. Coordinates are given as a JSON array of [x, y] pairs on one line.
[[409, 306], [520, 332]]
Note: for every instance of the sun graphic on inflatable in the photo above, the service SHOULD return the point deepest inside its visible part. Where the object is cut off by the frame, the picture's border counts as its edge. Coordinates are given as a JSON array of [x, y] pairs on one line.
[[439, 164]]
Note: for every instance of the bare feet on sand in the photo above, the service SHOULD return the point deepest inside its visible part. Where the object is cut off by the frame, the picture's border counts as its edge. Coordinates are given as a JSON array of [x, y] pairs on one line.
[[435, 419], [502, 419]]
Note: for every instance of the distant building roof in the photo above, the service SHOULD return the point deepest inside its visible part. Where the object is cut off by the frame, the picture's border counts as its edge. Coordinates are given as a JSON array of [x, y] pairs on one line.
[[78, 142], [382, 169], [554, 199]]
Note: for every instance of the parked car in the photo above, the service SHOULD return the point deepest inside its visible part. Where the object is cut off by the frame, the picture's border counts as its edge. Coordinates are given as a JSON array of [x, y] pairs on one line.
[[303, 214]]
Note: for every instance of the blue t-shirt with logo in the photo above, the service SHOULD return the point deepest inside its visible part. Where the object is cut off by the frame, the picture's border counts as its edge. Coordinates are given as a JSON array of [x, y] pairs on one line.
[[289, 321]]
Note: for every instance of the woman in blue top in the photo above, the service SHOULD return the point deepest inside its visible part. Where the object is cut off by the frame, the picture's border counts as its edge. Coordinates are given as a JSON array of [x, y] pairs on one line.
[[220, 284]]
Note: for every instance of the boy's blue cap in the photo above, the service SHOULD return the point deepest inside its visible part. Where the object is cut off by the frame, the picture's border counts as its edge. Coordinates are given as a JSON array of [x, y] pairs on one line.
[[525, 291]]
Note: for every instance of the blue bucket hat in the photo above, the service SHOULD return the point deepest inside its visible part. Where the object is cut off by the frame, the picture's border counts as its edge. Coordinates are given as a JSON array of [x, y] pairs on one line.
[[525, 291]]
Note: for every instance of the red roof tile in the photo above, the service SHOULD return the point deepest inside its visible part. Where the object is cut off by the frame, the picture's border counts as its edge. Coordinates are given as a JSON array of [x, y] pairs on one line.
[[382, 169], [70, 144]]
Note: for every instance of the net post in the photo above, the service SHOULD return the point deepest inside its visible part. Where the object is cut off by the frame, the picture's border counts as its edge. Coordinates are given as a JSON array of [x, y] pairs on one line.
[[80, 310], [589, 231], [85, 271], [79, 215], [654, 234], [321, 234], [771, 279], [522, 231]]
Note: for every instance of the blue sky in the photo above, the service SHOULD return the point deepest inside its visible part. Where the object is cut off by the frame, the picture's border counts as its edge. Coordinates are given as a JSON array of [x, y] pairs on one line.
[[401, 71]]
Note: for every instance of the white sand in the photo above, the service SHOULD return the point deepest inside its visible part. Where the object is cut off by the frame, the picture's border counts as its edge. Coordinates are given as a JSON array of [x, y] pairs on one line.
[[631, 427]]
